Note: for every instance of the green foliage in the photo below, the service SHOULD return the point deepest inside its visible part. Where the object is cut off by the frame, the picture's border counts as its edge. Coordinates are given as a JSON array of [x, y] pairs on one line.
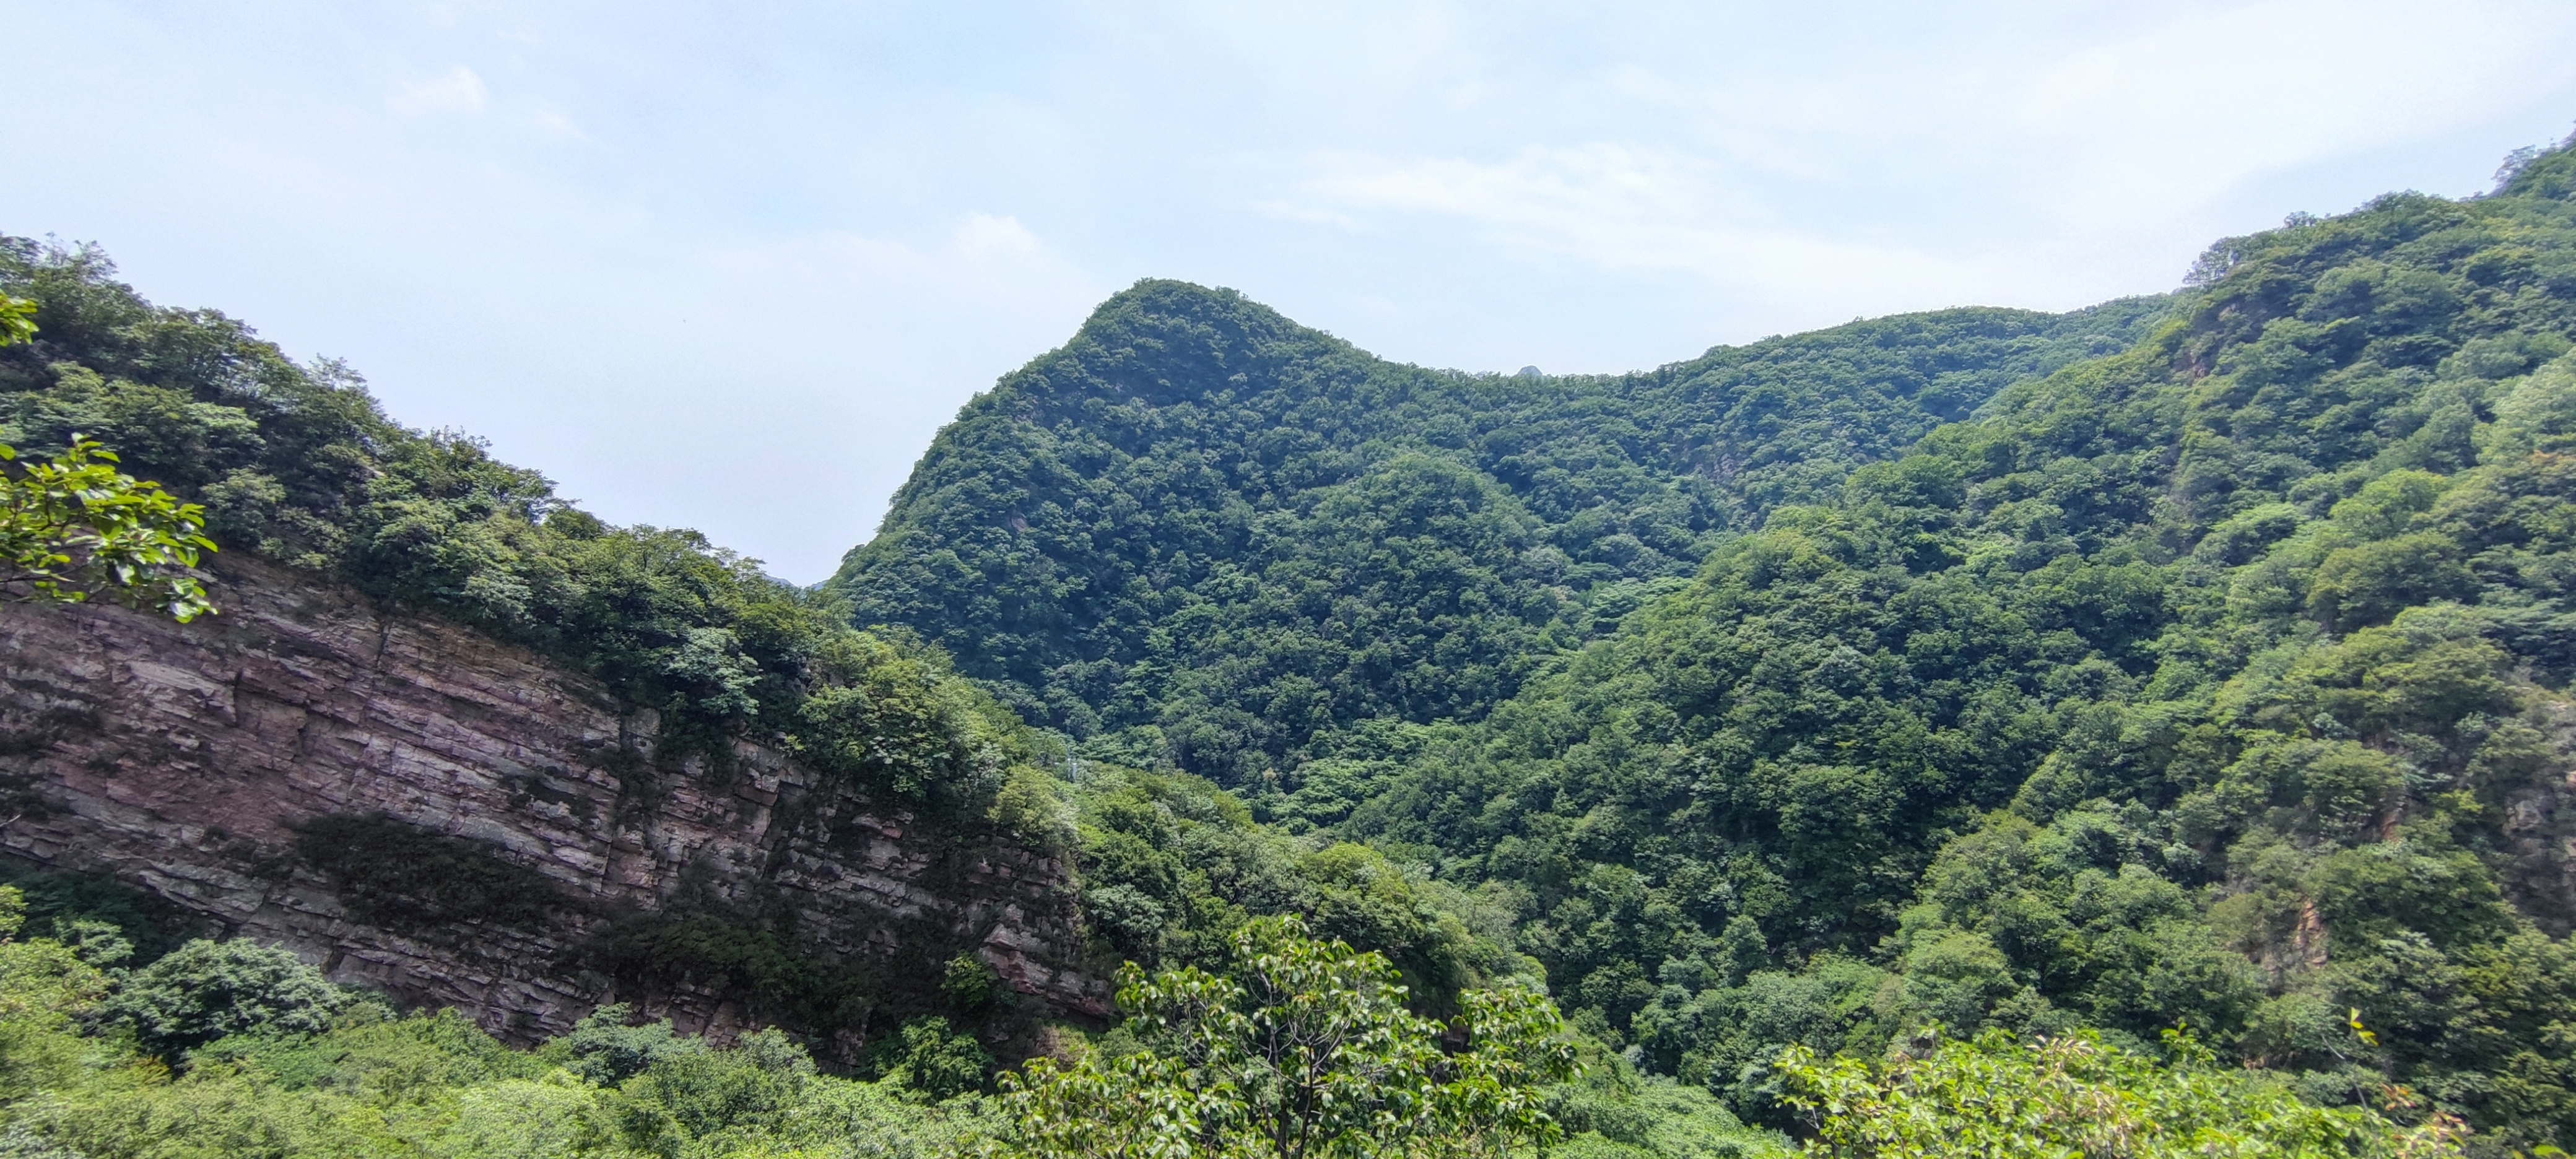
[[297, 463], [933, 1058], [1203, 530], [1610, 1111], [895, 720], [45, 990], [1173, 867], [2204, 659], [1997, 1096], [2213, 680], [17, 321], [73, 527], [1305, 1049], [366, 1083], [604, 1049], [968, 983], [206, 990], [2054, 679], [696, 940]]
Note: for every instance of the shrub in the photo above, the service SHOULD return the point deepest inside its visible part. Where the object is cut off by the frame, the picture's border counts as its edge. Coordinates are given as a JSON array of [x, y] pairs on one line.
[[206, 990], [2078, 1095], [607, 1051], [940, 1062]]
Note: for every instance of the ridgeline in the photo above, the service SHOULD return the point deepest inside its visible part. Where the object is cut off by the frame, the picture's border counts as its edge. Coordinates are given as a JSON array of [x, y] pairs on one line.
[[2191, 661]]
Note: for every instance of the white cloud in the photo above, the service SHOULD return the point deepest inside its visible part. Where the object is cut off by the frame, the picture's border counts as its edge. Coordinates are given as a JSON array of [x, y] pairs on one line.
[[780, 230], [1621, 205], [458, 90], [554, 122], [2176, 115], [985, 235], [1996, 160], [1643, 209]]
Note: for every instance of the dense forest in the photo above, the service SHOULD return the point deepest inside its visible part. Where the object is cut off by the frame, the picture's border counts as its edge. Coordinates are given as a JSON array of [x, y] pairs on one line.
[[2179, 685], [1204, 534], [2208, 667]]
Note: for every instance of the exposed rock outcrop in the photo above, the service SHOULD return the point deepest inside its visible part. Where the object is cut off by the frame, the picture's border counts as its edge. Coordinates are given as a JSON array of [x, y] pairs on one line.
[[456, 821]]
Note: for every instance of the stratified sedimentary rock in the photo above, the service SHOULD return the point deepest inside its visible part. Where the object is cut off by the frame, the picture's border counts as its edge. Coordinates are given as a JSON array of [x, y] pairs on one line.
[[456, 821]]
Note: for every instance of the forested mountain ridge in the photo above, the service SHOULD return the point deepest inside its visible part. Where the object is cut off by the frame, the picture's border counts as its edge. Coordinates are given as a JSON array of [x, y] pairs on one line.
[[693, 681], [2222, 680], [2216, 678], [299, 463], [781, 820], [1222, 538], [2198, 662]]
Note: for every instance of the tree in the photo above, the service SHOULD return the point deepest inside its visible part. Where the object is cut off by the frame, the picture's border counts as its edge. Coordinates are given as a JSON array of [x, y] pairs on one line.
[[73, 526], [939, 1061], [605, 1050], [2001, 1097], [206, 990], [17, 320], [1305, 1051]]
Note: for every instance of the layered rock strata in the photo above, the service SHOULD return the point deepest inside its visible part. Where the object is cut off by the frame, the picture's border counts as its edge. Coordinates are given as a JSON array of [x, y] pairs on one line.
[[455, 821]]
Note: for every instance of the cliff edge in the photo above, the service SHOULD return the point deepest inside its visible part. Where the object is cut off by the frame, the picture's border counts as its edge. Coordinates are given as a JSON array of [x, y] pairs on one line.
[[455, 821]]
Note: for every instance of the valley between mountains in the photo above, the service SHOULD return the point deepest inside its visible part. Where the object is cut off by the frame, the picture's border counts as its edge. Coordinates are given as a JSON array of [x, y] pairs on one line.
[[2196, 660]]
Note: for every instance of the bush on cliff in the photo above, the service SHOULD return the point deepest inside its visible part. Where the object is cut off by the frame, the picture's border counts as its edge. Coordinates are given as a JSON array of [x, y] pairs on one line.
[[297, 463], [206, 990], [73, 527]]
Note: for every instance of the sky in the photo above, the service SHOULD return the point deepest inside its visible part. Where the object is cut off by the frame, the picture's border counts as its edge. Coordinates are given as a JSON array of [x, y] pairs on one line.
[[730, 266]]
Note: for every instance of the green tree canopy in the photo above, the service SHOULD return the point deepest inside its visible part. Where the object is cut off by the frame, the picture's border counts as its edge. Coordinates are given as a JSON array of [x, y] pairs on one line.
[[206, 990], [73, 527], [2078, 1097], [1304, 1050]]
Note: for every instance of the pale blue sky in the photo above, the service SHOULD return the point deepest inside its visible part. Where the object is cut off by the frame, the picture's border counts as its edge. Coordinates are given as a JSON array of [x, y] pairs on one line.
[[729, 265]]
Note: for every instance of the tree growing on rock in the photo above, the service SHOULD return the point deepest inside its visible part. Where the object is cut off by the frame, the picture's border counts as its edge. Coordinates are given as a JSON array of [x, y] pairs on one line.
[[73, 527]]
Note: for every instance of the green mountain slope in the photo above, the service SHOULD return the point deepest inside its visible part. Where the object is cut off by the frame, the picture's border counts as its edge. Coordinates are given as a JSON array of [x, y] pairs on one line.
[[298, 463], [2222, 680], [2199, 660], [1228, 539], [2214, 670]]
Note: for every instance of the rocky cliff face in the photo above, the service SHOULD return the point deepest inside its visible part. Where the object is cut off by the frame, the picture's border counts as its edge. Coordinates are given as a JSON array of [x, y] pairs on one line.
[[454, 821]]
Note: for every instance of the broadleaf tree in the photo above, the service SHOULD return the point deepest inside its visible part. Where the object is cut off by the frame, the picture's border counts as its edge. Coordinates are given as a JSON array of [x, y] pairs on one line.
[[1999, 1096], [1304, 1050], [73, 526]]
